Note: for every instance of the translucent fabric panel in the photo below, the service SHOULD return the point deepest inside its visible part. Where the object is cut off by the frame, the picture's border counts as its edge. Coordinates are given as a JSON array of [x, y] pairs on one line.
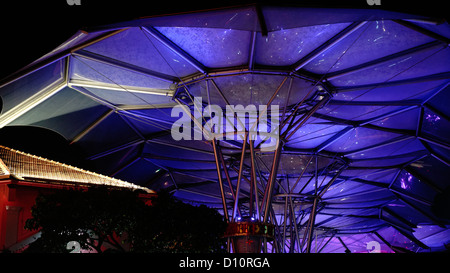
[[374, 175], [441, 152], [201, 145], [88, 70], [333, 246], [139, 48], [287, 46], [413, 186], [435, 125], [373, 198], [76, 40], [146, 126], [394, 149], [110, 133], [163, 114], [393, 219], [359, 138], [140, 172], [252, 89], [321, 219], [151, 121], [355, 224], [356, 243], [312, 135], [183, 165], [288, 17], [67, 112], [124, 97], [441, 29], [353, 112], [180, 178], [374, 40], [356, 211], [433, 236], [396, 238], [211, 46], [437, 62], [405, 120], [22, 89], [424, 207], [348, 188], [110, 164], [211, 175], [407, 213], [308, 183], [383, 162], [159, 150], [197, 197], [440, 101], [241, 18], [369, 225], [421, 90], [396, 69], [433, 170], [353, 173]]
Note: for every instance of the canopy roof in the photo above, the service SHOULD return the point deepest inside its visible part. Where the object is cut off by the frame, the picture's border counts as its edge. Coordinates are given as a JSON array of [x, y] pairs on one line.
[[109, 91], [24, 166]]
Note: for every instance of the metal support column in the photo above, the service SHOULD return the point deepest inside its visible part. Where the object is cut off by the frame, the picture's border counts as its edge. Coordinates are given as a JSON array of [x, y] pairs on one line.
[[269, 187], [310, 231]]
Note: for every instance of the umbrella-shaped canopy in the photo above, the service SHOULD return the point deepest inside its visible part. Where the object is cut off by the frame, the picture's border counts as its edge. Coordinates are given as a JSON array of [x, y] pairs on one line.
[[362, 98]]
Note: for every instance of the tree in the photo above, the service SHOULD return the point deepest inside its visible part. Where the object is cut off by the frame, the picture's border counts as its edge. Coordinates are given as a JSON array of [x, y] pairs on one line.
[[120, 221]]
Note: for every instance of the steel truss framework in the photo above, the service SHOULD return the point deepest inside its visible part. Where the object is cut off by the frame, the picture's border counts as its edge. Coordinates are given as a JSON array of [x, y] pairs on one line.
[[266, 199], [362, 98]]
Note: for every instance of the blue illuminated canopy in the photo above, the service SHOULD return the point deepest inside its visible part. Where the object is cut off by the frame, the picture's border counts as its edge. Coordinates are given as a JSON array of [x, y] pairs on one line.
[[110, 90]]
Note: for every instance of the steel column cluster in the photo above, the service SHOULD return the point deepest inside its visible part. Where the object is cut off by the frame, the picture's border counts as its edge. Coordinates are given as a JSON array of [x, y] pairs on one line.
[[294, 223]]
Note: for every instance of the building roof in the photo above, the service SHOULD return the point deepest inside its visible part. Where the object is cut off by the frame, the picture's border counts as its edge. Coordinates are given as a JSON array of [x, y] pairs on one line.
[[24, 166]]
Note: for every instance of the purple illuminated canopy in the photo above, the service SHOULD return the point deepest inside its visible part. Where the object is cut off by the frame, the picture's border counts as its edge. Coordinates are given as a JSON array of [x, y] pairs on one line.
[[369, 89]]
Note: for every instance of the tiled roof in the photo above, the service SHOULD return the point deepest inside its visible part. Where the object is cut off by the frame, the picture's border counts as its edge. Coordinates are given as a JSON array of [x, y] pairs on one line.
[[25, 166]]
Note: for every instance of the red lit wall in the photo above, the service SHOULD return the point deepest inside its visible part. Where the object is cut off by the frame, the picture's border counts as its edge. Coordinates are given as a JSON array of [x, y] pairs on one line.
[[16, 200]]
